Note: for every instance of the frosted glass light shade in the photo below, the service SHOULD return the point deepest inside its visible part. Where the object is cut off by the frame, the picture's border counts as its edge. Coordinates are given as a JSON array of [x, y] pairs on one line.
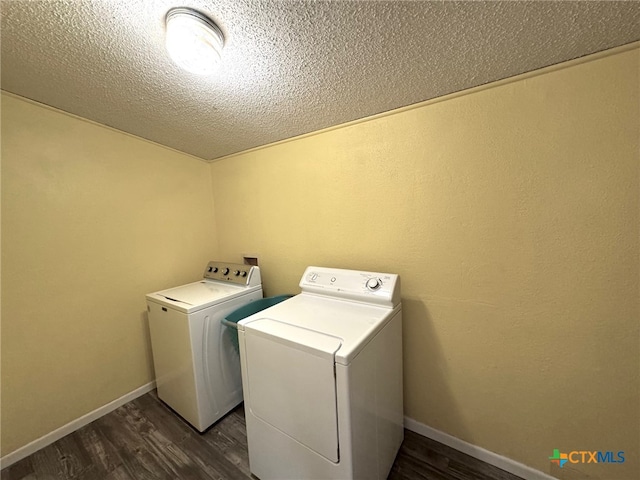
[[194, 41]]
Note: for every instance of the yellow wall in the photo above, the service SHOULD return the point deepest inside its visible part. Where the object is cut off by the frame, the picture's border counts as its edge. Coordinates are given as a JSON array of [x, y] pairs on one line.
[[92, 219], [511, 214]]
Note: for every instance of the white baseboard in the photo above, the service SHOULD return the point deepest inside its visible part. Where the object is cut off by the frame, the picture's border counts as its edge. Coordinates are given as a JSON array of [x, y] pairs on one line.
[[480, 453], [72, 426]]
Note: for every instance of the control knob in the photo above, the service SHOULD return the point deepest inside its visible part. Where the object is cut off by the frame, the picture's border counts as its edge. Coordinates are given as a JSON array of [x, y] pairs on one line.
[[225, 271], [373, 283], [236, 272], [243, 273]]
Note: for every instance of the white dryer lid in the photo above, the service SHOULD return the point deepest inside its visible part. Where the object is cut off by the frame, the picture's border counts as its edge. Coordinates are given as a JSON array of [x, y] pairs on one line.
[[299, 338], [319, 324]]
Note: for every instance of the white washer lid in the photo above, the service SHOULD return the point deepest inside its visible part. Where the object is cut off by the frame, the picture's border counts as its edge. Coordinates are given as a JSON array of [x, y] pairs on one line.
[[196, 295]]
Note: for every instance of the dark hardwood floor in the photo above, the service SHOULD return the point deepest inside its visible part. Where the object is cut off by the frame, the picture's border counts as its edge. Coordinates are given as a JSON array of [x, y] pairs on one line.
[[145, 440]]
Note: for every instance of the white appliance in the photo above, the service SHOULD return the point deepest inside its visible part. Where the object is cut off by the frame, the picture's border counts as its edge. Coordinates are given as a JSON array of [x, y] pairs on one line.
[[196, 362], [322, 377]]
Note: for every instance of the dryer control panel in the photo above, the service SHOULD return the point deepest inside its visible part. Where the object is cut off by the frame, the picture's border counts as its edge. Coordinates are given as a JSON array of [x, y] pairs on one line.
[[233, 272], [361, 286]]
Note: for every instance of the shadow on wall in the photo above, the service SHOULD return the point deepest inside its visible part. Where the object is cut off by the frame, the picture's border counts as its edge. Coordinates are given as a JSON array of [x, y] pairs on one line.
[[428, 396], [144, 317]]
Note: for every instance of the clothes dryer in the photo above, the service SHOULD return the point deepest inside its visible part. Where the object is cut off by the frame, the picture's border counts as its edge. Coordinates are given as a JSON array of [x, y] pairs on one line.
[[322, 376], [196, 363]]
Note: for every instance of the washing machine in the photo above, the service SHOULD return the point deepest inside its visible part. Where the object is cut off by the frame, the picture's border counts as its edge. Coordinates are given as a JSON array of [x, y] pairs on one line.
[[196, 363], [322, 377]]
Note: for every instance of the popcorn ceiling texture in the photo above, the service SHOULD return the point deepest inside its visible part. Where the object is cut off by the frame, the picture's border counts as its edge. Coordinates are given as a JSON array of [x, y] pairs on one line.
[[289, 67]]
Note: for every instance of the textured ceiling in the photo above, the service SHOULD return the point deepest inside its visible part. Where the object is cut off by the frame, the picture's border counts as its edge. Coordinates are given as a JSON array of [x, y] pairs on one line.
[[289, 67]]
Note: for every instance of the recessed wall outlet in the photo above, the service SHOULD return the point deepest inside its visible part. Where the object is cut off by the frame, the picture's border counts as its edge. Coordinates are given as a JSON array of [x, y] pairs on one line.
[[250, 259]]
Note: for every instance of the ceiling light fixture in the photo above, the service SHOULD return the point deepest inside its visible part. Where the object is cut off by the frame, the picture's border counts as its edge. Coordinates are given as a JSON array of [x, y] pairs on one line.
[[193, 40]]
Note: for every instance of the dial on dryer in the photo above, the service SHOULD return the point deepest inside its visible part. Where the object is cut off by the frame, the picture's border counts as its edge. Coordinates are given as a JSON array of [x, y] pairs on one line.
[[373, 284]]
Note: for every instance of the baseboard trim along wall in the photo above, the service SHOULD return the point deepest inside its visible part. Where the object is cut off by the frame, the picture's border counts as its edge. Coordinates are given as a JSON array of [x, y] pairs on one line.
[[57, 434], [474, 451]]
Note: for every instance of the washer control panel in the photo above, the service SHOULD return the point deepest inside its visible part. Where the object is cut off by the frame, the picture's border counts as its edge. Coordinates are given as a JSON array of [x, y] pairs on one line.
[[366, 287], [229, 272]]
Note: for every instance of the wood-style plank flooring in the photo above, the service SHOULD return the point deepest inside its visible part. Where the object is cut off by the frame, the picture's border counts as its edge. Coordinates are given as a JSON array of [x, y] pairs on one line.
[[145, 440]]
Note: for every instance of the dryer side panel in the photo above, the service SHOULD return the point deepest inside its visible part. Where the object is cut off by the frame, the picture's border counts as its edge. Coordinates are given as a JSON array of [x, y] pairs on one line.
[[375, 402]]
